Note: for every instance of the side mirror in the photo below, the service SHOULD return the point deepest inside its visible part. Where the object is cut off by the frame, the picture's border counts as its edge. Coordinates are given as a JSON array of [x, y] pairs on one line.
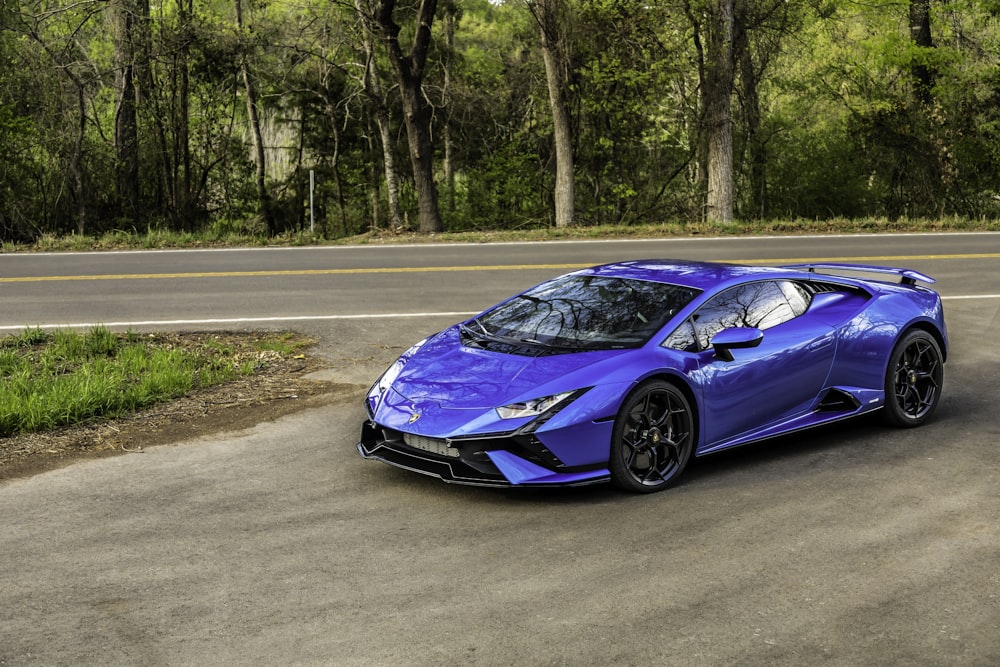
[[737, 338]]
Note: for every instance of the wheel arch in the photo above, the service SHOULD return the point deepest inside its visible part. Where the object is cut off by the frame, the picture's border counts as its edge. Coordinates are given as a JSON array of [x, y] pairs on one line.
[[684, 386], [912, 398], [929, 328]]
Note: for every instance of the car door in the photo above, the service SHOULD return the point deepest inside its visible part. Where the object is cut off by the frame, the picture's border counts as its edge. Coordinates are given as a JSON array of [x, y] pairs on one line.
[[776, 380]]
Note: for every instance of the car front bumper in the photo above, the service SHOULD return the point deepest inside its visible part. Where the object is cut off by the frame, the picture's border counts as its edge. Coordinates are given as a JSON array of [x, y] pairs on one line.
[[501, 460]]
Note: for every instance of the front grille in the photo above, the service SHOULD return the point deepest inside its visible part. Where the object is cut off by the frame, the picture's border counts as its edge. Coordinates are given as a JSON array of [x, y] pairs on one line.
[[432, 445]]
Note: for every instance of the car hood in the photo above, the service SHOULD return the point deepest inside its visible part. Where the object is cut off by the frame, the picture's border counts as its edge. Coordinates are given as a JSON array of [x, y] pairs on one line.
[[454, 376]]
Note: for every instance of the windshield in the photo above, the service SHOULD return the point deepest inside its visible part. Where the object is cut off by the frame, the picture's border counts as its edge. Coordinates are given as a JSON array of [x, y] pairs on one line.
[[585, 312]]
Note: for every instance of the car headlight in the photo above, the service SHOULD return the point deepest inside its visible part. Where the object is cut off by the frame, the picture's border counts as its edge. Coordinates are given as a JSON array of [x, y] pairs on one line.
[[534, 407], [389, 376]]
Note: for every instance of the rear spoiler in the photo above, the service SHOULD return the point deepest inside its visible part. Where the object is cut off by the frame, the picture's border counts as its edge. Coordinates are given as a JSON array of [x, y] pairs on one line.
[[906, 276]]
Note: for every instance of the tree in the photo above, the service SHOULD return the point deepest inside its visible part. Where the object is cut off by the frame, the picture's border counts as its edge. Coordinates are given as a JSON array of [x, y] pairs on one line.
[[372, 84], [126, 17], [920, 33], [410, 70], [180, 177], [551, 16], [63, 46], [760, 28], [630, 147], [125, 111], [253, 117], [717, 92], [452, 14]]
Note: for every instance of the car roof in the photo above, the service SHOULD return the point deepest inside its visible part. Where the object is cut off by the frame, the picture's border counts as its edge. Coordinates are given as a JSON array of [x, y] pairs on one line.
[[698, 275]]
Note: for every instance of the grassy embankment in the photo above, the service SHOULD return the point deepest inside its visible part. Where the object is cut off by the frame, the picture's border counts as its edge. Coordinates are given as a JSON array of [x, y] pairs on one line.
[[51, 379], [221, 237]]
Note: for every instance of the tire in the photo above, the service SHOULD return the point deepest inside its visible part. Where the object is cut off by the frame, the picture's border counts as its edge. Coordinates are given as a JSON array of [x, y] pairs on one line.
[[913, 380], [652, 439]]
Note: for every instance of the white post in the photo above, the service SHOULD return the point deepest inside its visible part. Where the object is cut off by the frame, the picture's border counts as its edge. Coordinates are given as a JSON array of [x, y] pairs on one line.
[[312, 186]]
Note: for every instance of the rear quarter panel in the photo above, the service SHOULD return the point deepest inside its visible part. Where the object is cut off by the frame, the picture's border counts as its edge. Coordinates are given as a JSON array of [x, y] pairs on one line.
[[866, 339]]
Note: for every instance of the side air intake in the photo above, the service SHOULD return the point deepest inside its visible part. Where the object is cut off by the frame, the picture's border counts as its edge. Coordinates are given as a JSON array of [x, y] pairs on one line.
[[838, 401]]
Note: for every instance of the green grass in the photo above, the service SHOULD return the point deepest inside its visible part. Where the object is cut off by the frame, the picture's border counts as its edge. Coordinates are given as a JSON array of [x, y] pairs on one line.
[[221, 237], [65, 377]]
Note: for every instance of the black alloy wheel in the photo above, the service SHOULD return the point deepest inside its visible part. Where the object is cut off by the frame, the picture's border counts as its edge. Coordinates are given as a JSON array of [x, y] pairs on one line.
[[653, 438], [913, 380]]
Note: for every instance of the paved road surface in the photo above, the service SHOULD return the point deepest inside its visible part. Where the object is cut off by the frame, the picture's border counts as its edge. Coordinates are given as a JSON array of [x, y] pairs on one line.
[[278, 545], [202, 287]]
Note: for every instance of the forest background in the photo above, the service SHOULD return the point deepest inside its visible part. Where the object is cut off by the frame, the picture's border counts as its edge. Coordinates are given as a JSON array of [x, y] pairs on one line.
[[261, 116]]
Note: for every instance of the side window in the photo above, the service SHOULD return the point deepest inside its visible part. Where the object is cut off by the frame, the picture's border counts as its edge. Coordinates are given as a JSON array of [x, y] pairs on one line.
[[761, 305], [683, 338], [798, 296]]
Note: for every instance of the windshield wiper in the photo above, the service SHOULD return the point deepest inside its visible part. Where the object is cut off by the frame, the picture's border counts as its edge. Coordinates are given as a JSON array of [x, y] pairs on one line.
[[481, 336], [557, 346], [482, 327]]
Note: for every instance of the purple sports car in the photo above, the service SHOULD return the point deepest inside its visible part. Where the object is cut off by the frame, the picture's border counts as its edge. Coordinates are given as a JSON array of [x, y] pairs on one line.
[[622, 372]]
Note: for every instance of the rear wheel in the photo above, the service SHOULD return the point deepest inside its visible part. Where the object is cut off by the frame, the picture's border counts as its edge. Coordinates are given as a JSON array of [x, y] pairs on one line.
[[913, 380], [652, 439]]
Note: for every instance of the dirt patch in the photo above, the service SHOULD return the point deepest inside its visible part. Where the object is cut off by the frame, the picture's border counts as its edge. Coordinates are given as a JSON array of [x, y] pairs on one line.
[[279, 388]]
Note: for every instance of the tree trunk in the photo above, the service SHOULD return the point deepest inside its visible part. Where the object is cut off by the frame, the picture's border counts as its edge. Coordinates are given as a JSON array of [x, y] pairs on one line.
[[125, 16], [699, 142], [418, 135], [416, 113], [391, 170], [150, 105], [920, 34], [717, 94], [182, 148], [373, 88], [755, 149], [563, 139], [76, 161], [257, 137], [374, 177], [337, 183], [301, 191], [547, 14], [449, 157]]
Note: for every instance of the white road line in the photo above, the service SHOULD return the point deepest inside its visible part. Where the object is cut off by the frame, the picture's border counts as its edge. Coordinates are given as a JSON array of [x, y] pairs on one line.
[[234, 320], [970, 297]]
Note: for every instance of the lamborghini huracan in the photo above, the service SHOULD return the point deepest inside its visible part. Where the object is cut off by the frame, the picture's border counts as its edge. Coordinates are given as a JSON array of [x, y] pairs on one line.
[[622, 372]]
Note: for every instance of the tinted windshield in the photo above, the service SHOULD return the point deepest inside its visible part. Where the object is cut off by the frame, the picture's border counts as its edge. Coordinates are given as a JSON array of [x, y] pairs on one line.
[[586, 312]]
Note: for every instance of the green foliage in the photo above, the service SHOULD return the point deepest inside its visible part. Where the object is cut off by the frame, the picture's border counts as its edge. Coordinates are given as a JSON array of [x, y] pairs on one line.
[[623, 73], [842, 130], [29, 337], [500, 192], [49, 380]]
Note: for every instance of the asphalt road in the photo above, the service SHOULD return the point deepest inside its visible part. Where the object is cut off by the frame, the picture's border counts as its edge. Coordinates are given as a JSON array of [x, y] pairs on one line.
[[855, 545]]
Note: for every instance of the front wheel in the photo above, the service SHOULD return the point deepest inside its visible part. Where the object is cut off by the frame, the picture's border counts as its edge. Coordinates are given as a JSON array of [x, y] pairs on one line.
[[652, 439], [913, 380]]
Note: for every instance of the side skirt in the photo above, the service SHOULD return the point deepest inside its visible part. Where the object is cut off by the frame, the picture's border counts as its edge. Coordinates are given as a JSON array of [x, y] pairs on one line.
[[864, 401]]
